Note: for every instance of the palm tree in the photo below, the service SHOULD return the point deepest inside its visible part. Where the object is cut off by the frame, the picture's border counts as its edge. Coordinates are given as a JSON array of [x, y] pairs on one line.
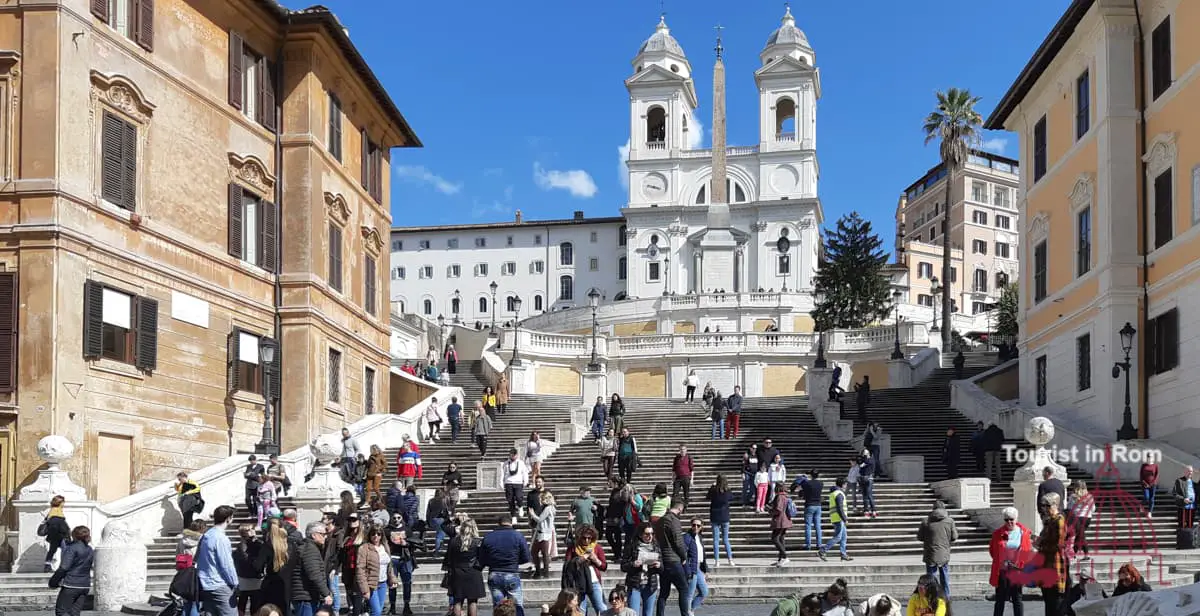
[[955, 124]]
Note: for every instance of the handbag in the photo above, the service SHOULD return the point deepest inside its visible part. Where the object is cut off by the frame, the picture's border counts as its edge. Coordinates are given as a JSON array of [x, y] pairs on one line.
[[43, 529]]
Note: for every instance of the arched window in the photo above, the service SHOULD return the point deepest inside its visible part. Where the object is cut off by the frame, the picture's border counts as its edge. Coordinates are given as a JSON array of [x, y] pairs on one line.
[[621, 235], [622, 268], [483, 305], [566, 253], [785, 120], [701, 197], [656, 125], [510, 304], [427, 307], [537, 303], [566, 288], [455, 306], [401, 306], [733, 191]]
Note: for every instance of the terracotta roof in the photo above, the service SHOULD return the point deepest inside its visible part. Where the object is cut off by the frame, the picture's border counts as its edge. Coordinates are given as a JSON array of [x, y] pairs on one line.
[[322, 16], [1038, 64]]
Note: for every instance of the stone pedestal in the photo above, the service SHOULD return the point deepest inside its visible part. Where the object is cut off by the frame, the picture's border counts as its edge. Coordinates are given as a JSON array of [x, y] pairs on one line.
[[1039, 431], [816, 383], [826, 413], [906, 469], [326, 484], [840, 431], [966, 492], [569, 433], [489, 476], [33, 500], [120, 568], [594, 385], [582, 416], [900, 373], [520, 378]]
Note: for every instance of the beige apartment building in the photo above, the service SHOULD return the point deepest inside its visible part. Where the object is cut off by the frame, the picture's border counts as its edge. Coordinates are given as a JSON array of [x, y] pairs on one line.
[[984, 232], [187, 184]]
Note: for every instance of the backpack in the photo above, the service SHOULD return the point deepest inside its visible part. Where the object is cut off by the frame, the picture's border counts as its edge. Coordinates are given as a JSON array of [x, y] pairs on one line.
[[575, 576], [186, 584], [788, 606], [792, 513], [639, 514]]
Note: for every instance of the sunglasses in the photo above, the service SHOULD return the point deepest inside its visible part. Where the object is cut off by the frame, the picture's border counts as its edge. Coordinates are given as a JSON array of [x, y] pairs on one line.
[[1009, 520]]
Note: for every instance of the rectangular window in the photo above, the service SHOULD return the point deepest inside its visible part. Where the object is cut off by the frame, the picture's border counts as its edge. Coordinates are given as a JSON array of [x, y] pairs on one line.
[[335, 257], [1083, 362], [9, 338], [253, 228], [979, 192], [1083, 95], [398, 273], [978, 307], [334, 377], [133, 19], [1164, 208], [1002, 222], [251, 82], [566, 253], [423, 245], [369, 391], [1039, 368], [1039, 271], [622, 268], [954, 274], [119, 326], [1039, 149], [537, 267], [397, 245], [1083, 241], [932, 234], [979, 217], [372, 168], [593, 264], [121, 16], [537, 240], [1160, 58], [1163, 340], [118, 162], [508, 240], [1001, 197], [925, 300], [333, 141], [248, 375], [980, 283], [508, 268], [369, 286], [654, 271], [251, 72], [454, 271], [594, 237], [783, 265], [978, 247], [452, 243], [481, 269], [924, 270], [426, 272], [481, 242], [1002, 250]]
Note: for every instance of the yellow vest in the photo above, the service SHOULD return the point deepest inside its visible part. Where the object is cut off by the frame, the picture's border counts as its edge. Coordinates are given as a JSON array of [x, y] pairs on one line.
[[834, 516]]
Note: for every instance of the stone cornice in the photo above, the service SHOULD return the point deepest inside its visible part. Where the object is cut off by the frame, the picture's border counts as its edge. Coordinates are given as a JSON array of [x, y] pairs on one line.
[[372, 240], [336, 207], [252, 172], [122, 94]]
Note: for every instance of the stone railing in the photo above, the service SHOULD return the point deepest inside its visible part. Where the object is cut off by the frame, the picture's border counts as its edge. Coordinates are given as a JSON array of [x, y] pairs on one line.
[[908, 372], [154, 511], [750, 305]]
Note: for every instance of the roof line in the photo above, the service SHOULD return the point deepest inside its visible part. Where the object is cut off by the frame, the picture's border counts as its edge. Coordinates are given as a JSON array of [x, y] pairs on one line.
[[1045, 54], [558, 222]]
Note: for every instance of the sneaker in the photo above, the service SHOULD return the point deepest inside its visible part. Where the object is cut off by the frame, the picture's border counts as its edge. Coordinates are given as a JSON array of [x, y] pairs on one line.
[[731, 563], [785, 562], [845, 557], [776, 563], [821, 555]]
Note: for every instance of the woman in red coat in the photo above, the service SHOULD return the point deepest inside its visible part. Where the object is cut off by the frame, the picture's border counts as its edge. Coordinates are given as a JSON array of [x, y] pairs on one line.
[[1011, 550]]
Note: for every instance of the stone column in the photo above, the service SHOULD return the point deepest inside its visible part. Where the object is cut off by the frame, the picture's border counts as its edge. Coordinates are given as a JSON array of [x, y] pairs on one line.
[[1026, 479], [595, 384], [520, 378], [120, 568], [325, 487], [33, 500], [816, 383], [900, 373]]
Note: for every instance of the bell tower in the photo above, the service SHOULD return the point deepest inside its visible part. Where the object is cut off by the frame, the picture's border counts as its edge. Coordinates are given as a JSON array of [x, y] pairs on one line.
[[789, 86], [662, 98]]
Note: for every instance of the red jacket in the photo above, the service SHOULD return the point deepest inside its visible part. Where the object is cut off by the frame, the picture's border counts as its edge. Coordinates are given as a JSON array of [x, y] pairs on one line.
[[1149, 474], [683, 465], [1000, 552]]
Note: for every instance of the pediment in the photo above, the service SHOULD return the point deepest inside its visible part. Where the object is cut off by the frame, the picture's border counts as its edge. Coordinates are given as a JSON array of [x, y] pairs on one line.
[[122, 94], [372, 239], [741, 236], [251, 171], [335, 205], [654, 74], [784, 65], [1083, 191], [1039, 226]]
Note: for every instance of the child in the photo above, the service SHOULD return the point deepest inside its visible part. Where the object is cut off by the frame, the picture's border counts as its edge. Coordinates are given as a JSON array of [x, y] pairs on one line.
[[266, 498], [761, 479]]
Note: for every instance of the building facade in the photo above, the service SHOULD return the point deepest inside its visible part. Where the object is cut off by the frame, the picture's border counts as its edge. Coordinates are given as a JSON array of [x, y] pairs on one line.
[[189, 184], [984, 233], [1110, 143]]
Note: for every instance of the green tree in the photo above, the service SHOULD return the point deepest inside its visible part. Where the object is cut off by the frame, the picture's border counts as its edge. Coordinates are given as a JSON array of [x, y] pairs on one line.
[[854, 291], [954, 123], [1006, 310]]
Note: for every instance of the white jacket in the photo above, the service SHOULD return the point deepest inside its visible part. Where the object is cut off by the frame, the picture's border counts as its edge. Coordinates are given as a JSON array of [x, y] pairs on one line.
[[515, 472]]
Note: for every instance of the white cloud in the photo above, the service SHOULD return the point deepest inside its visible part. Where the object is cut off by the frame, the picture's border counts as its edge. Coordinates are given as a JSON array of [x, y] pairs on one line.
[[420, 175], [481, 209], [508, 192], [575, 181], [996, 145], [695, 134], [623, 165]]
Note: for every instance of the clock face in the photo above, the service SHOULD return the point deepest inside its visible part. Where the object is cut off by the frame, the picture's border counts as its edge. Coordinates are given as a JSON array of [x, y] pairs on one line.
[[654, 186]]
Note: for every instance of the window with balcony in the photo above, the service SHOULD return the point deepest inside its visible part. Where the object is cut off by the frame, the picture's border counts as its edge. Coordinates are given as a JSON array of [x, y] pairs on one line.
[[979, 191], [978, 247], [1001, 197]]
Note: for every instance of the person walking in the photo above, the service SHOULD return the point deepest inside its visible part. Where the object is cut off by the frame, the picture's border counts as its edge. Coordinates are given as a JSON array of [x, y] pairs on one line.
[[543, 535], [215, 568], [502, 552], [642, 564], [376, 466], [734, 406], [503, 393], [862, 393], [690, 383], [599, 417], [452, 481], [1010, 548], [811, 489], [489, 401], [616, 411], [838, 516], [433, 419], [516, 477], [190, 501], [404, 563], [1184, 492], [951, 453], [718, 416], [627, 454], [749, 470], [56, 530], [408, 464], [682, 468], [73, 578], [782, 511], [1080, 509], [1149, 477], [431, 356], [866, 483], [1051, 544], [454, 414], [669, 535], [350, 452], [374, 575], [697, 565], [480, 430], [960, 362], [451, 359], [993, 443], [253, 474], [533, 455], [937, 534], [608, 451], [719, 501]]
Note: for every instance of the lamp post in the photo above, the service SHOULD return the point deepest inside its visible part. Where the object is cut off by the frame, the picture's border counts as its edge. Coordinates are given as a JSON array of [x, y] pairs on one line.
[[516, 360], [935, 289], [1127, 431], [493, 287], [896, 352], [819, 362], [594, 301], [266, 360]]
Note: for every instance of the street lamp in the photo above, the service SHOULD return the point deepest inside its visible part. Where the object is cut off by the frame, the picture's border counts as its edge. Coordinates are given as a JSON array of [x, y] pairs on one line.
[[896, 352], [493, 287], [266, 360], [594, 301], [819, 362], [935, 289], [516, 360], [1127, 431]]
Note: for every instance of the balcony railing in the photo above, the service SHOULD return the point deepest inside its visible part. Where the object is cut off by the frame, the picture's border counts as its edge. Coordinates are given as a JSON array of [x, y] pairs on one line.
[[656, 145], [736, 150], [786, 137]]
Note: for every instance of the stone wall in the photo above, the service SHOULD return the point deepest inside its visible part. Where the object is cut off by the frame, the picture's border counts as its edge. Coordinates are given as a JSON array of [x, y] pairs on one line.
[[635, 328], [1003, 384], [877, 369], [407, 391], [557, 380], [784, 380], [645, 383]]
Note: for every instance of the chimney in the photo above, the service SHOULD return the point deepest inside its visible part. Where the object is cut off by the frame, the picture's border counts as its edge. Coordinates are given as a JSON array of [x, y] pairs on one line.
[[578, 214], [519, 217]]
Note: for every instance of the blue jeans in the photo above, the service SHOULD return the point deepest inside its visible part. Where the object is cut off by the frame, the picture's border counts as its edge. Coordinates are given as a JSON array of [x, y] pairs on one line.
[[868, 490], [642, 601], [438, 538], [838, 539], [1148, 498], [941, 573], [507, 586], [191, 608], [597, 428], [747, 488], [812, 520], [404, 571], [718, 429], [875, 453], [720, 532], [698, 589], [305, 608], [335, 585], [219, 602], [455, 429], [595, 598], [378, 599], [673, 575]]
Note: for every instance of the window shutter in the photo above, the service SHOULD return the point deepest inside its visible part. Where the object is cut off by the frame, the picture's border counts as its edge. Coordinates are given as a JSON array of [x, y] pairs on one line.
[[366, 159], [129, 159], [1171, 339], [146, 351], [266, 107], [93, 314], [143, 15], [236, 211], [100, 10], [377, 174], [236, 70], [231, 346], [112, 161], [276, 370], [8, 332], [369, 287], [268, 253]]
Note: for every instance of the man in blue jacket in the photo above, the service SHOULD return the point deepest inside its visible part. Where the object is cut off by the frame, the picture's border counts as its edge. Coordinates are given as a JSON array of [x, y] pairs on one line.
[[215, 568], [599, 416], [502, 552], [696, 565]]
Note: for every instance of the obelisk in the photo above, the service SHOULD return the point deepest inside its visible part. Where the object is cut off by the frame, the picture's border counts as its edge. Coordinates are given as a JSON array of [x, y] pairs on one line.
[[718, 244], [718, 190]]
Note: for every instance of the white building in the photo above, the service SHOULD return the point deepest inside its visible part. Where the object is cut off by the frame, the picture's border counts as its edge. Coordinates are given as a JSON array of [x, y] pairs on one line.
[[677, 235]]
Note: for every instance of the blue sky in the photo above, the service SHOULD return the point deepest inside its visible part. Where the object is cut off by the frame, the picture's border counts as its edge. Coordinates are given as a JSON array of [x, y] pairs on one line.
[[522, 105]]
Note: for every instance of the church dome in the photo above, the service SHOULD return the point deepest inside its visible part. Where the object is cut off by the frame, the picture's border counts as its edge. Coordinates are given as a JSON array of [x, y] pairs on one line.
[[661, 41], [788, 33]]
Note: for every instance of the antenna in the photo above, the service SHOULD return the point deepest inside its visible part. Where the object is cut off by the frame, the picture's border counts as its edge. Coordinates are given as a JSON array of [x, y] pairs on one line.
[[719, 48]]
